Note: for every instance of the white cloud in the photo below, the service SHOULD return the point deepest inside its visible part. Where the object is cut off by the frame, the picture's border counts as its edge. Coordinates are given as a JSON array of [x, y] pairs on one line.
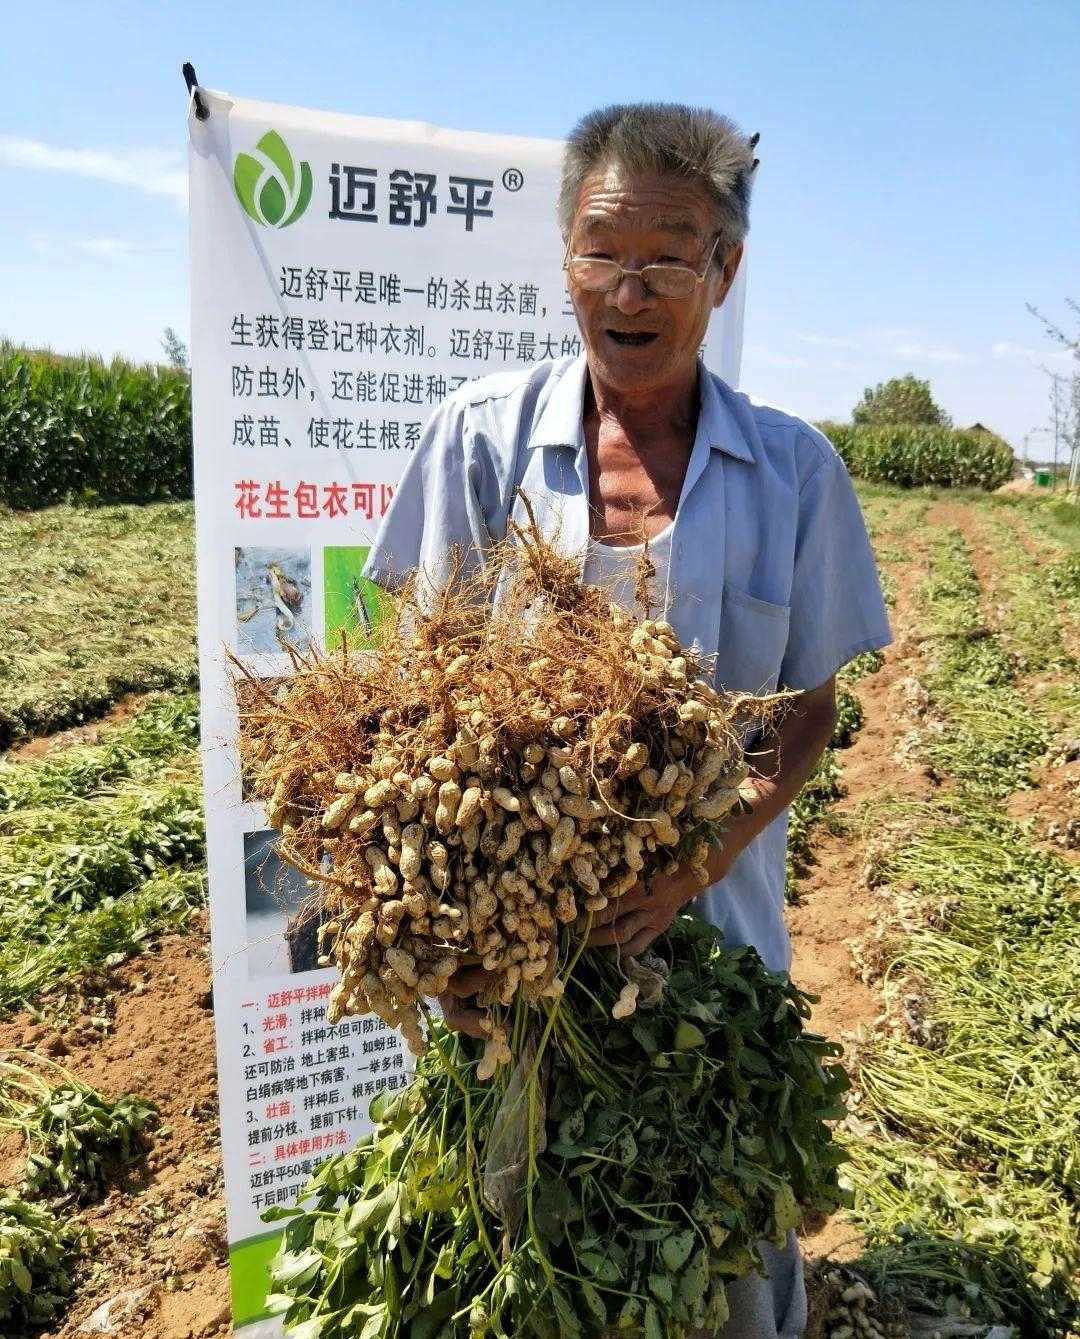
[[1056, 359], [908, 344], [770, 359], [156, 171], [921, 352], [831, 342], [127, 250], [112, 247]]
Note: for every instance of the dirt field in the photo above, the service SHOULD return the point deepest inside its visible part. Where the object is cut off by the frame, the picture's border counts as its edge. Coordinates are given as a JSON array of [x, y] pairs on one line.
[[145, 1025]]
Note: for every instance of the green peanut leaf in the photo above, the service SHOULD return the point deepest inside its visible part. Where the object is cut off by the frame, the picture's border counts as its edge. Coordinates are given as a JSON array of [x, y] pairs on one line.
[[688, 1035], [675, 1250]]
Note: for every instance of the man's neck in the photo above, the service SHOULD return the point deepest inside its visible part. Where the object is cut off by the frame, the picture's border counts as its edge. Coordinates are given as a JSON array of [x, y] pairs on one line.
[[657, 414]]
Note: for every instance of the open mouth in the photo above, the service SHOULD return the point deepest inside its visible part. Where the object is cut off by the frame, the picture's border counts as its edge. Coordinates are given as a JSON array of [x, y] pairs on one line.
[[631, 340]]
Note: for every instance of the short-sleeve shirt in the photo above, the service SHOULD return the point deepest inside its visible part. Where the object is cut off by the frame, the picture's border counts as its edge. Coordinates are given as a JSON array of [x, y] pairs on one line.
[[771, 572]]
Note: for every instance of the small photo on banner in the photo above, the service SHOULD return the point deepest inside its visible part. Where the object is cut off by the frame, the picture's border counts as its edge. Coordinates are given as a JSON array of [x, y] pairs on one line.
[[353, 605], [282, 930], [273, 599]]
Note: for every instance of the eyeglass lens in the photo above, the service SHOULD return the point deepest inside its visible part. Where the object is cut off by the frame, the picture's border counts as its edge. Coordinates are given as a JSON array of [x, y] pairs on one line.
[[670, 281]]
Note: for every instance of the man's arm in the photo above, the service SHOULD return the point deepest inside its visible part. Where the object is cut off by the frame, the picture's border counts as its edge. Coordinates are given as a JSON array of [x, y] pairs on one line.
[[791, 751]]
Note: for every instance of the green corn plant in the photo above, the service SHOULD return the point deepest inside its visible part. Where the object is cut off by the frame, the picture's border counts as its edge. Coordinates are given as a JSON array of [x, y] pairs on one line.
[[913, 456]]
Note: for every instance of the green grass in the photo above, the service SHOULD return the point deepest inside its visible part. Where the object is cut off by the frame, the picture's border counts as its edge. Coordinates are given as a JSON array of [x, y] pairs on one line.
[[82, 850], [64, 944], [946, 1242], [966, 1143], [998, 959], [890, 512], [1064, 577], [1052, 517], [94, 603], [1023, 599]]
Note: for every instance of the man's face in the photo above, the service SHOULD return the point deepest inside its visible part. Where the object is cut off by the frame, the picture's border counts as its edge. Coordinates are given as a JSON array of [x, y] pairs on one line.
[[636, 341]]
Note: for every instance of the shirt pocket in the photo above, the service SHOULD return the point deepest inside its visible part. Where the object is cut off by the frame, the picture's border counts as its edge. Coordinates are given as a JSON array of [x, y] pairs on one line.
[[752, 641]]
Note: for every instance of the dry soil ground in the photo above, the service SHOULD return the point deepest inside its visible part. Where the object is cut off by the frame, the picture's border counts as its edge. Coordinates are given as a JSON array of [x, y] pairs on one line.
[[160, 1234]]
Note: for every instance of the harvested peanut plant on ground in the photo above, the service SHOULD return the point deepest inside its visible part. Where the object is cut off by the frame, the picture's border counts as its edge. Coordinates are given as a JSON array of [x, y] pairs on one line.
[[74, 1136], [37, 1259]]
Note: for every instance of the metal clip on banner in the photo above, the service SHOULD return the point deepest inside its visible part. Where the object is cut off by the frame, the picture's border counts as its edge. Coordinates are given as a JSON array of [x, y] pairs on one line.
[[202, 112]]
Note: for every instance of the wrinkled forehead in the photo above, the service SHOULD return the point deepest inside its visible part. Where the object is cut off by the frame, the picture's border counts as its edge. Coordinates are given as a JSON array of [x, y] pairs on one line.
[[615, 198]]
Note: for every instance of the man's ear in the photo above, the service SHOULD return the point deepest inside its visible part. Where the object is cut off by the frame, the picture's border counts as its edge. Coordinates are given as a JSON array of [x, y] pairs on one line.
[[731, 265]]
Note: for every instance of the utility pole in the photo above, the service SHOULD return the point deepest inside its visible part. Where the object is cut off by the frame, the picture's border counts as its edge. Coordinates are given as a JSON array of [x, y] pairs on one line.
[[1057, 406], [1066, 409], [1073, 484], [1059, 416]]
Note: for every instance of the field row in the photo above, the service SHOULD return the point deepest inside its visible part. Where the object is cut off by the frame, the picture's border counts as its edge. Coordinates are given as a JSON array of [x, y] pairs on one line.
[[965, 1142], [100, 845]]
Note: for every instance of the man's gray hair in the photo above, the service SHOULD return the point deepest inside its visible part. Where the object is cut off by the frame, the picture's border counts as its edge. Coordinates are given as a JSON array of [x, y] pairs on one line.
[[690, 142]]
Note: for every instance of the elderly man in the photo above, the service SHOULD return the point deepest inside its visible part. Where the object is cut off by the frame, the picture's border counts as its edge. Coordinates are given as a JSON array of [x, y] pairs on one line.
[[751, 521]]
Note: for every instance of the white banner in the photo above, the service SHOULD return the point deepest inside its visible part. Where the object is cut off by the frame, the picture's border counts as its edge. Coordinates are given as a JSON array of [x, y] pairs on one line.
[[347, 273]]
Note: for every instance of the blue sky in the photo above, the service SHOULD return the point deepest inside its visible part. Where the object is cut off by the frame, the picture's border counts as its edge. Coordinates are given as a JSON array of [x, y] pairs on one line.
[[919, 179]]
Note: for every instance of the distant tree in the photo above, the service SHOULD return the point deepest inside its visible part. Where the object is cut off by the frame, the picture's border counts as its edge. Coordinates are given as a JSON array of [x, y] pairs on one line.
[[900, 400], [1070, 342], [175, 349]]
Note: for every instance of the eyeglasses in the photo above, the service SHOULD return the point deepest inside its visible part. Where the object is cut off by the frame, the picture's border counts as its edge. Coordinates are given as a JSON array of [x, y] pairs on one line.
[[665, 281]]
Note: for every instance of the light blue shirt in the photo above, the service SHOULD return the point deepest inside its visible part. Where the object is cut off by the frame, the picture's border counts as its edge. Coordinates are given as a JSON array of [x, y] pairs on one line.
[[771, 570]]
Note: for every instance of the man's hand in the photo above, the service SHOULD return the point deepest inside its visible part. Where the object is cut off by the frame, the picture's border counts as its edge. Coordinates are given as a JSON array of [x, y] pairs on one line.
[[633, 921], [782, 761]]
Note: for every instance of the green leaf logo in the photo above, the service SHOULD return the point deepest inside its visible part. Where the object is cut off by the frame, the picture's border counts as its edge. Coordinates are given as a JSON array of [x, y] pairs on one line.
[[268, 185]]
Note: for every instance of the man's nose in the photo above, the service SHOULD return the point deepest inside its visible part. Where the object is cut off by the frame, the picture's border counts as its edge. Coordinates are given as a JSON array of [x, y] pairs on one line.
[[631, 296]]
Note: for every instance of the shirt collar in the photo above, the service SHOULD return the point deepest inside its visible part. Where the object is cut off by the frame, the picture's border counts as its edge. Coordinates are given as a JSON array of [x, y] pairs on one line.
[[560, 421]]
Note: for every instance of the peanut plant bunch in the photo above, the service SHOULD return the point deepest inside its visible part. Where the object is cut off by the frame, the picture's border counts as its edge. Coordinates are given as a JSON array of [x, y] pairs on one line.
[[661, 1148], [492, 775]]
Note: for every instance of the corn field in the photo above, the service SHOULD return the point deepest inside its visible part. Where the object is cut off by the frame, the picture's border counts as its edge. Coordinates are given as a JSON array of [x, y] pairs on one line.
[[83, 429]]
